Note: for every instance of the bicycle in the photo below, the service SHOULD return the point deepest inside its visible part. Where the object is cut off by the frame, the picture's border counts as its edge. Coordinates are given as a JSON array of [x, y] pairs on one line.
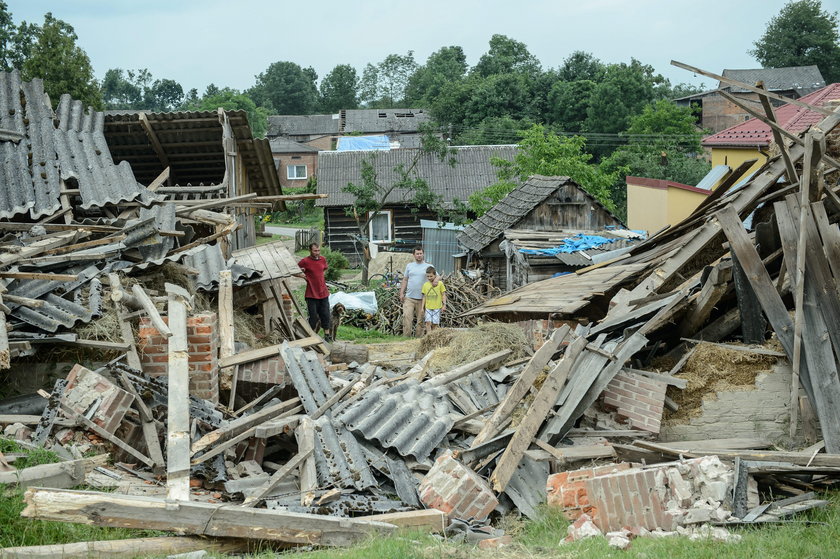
[[390, 279]]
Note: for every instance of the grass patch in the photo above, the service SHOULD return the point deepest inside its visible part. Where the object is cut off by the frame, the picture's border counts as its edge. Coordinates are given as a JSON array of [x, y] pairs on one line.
[[34, 457], [363, 336], [18, 531], [271, 239]]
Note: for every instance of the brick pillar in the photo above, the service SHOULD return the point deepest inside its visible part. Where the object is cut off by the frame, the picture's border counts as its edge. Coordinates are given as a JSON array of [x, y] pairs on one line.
[[203, 340]]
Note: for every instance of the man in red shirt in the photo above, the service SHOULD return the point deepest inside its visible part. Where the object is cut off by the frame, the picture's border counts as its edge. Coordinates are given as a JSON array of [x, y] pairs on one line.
[[317, 295]]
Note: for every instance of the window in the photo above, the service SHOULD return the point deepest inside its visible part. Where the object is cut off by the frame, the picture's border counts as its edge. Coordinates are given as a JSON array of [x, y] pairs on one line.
[[295, 171], [379, 229]]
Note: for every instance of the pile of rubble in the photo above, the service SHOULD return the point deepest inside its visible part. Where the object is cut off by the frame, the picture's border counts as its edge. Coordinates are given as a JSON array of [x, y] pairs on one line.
[[319, 445]]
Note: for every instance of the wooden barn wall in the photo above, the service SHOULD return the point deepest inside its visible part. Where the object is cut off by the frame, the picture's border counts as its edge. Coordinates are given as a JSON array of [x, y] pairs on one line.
[[568, 208], [340, 228]]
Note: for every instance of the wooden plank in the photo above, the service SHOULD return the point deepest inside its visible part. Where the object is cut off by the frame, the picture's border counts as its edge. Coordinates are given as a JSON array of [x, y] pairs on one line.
[[128, 549], [305, 436], [39, 276], [265, 490], [753, 324], [107, 436], [469, 368], [5, 351], [719, 444], [521, 386], [777, 137], [178, 403], [535, 416], [183, 517], [715, 287], [153, 139], [61, 475], [264, 352], [226, 334], [150, 308], [582, 452], [795, 458], [430, 521], [242, 424]]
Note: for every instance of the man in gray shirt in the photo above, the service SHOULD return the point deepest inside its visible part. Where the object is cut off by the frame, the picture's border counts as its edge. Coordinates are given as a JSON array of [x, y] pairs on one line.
[[411, 293]]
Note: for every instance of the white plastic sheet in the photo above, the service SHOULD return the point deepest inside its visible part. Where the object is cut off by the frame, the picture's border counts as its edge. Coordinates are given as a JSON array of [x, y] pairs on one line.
[[364, 300]]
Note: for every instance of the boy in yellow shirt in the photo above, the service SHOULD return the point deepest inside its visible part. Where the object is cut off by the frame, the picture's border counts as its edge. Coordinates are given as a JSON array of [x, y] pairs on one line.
[[434, 299]]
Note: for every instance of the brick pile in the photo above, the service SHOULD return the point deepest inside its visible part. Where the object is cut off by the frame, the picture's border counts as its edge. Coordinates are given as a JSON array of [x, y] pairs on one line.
[[456, 490], [636, 400]]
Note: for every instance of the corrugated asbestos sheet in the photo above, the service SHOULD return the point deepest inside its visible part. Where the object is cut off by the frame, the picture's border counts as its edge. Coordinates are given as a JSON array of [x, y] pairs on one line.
[[370, 121], [339, 459], [209, 262], [411, 417], [67, 146], [477, 389], [472, 172], [527, 486], [58, 311]]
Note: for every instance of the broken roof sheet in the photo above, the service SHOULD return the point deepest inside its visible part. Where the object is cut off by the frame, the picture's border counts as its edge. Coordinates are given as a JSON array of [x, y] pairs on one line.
[[369, 121], [43, 148], [802, 79], [564, 295], [472, 172]]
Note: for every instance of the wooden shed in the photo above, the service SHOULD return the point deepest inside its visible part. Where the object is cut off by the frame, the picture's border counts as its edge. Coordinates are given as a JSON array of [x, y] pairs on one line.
[[539, 214], [399, 223]]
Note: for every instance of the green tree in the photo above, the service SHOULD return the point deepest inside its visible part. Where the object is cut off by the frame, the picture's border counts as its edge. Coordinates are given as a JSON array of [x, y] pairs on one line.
[[53, 56], [800, 35], [581, 65], [568, 104], [383, 85], [544, 153], [493, 130], [232, 100], [8, 31], [287, 89], [506, 56], [138, 90], [339, 89], [444, 66], [663, 143]]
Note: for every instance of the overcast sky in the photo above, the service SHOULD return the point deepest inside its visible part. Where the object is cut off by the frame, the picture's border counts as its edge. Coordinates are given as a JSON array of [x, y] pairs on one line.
[[197, 42]]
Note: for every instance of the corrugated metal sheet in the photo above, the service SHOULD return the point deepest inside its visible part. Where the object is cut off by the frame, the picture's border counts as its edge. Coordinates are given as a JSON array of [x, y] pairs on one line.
[[471, 173], [440, 244], [411, 417], [57, 311], [164, 219], [713, 176], [339, 459]]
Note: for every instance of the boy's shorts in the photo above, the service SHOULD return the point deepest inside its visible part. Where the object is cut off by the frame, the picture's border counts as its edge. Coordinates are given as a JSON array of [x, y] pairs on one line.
[[433, 316]]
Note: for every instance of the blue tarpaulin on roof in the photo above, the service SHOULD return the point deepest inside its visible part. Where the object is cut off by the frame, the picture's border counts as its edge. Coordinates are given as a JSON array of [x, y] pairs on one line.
[[363, 143], [570, 245]]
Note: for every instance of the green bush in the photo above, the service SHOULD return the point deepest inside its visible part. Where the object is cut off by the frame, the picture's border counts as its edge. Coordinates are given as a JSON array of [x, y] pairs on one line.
[[336, 262]]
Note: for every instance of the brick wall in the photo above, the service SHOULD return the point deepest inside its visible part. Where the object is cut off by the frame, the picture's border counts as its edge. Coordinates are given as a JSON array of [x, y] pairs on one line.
[[636, 399], [270, 370], [630, 499], [456, 490], [203, 340], [86, 388], [567, 490]]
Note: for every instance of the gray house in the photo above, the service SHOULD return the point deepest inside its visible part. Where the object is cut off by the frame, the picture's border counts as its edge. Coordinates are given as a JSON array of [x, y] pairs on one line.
[[399, 224]]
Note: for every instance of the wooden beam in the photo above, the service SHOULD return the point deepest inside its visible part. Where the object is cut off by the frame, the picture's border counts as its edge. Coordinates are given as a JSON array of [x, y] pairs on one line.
[[521, 386], [265, 352], [536, 414], [39, 276], [61, 475], [469, 368], [128, 549], [153, 139], [777, 136], [430, 520], [159, 180], [305, 436], [150, 308], [183, 517], [215, 203], [265, 490], [178, 402]]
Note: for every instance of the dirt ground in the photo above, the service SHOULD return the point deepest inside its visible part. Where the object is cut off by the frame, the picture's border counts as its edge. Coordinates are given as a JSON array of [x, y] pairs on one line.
[[396, 353]]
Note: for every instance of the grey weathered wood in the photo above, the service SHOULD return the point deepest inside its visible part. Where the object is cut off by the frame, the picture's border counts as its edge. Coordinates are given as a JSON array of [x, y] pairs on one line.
[[305, 435], [60, 475], [226, 334], [469, 368], [231, 442], [715, 287], [148, 423], [753, 323], [178, 400], [242, 424], [106, 435], [535, 416], [777, 136], [521, 386], [746, 349], [184, 517], [265, 352], [582, 452], [151, 309], [131, 548]]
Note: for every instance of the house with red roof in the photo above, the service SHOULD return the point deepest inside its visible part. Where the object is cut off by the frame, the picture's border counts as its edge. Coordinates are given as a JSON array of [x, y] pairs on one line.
[[753, 138]]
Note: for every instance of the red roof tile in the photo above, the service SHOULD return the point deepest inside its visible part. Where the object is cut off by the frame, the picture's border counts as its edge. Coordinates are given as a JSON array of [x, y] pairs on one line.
[[663, 184], [793, 118]]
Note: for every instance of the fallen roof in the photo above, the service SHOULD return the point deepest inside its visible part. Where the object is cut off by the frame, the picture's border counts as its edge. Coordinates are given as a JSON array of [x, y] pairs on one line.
[[793, 118], [192, 146], [803, 79], [471, 173]]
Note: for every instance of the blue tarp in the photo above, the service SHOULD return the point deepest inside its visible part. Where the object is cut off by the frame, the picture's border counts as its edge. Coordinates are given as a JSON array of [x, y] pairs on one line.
[[363, 143]]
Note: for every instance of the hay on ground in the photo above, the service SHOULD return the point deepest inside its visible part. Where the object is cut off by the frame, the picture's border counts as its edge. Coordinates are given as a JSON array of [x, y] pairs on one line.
[[712, 369], [474, 343]]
